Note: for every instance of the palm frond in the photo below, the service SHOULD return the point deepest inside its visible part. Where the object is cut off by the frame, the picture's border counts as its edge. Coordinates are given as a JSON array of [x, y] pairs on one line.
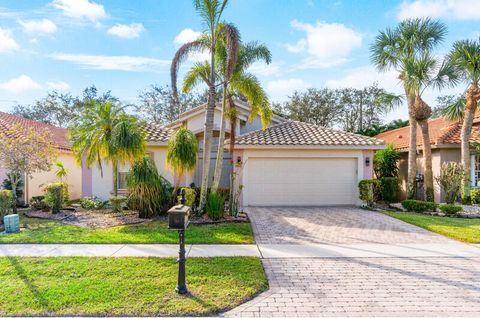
[[232, 44], [455, 111], [198, 73], [465, 55], [389, 101]]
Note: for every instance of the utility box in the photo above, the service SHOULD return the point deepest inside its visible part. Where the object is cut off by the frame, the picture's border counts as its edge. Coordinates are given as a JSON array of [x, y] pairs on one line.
[[11, 223], [178, 217]]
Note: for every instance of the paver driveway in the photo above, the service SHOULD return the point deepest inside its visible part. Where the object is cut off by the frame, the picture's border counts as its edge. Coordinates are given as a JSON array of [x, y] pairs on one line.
[[362, 286]]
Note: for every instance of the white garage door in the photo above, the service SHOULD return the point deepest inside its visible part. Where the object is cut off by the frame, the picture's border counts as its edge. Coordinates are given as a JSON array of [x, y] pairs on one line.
[[300, 181]]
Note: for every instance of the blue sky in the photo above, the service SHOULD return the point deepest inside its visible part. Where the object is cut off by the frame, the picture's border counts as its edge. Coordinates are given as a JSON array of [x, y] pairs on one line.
[[125, 46]]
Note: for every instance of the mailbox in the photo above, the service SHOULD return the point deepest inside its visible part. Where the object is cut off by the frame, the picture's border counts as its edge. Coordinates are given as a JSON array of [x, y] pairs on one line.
[[178, 217]]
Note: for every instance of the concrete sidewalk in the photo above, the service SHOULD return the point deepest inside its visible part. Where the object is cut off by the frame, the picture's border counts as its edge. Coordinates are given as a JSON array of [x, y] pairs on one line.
[[267, 251]]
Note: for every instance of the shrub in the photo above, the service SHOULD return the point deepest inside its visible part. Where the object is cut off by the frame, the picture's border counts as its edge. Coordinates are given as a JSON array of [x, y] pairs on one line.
[[6, 202], [54, 196], [369, 191], [146, 188], [224, 192], [38, 203], [419, 206], [389, 188], [475, 196], [117, 202], [92, 203], [450, 180], [450, 208], [190, 196], [215, 206], [7, 185], [385, 162]]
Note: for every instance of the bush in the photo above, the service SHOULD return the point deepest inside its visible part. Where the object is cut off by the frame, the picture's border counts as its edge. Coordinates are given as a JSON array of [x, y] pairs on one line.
[[475, 196], [190, 196], [146, 189], [117, 202], [224, 192], [38, 203], [54, 196], [92, 203], [389, 188], [385, 162], [7, 185], [6, 203], [450, 208], [215, 206], [450, 180], [419, 206], [369, 191]]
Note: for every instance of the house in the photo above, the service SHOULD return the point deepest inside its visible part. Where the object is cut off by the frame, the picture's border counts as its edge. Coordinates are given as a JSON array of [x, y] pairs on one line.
[[445, 141], [289, 163], [34, 184]]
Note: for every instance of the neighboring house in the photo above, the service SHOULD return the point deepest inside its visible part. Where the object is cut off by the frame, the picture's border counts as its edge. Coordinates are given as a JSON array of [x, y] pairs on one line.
[[445, 141], [34, 185], [289, 163]]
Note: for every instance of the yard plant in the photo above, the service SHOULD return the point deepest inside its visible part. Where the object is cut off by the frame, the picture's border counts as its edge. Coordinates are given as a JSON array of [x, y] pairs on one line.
[[6, 203], [369, 191], [385, 162], [451, 179], [215, 206], [54, 196], [419, 206], [450, 208]]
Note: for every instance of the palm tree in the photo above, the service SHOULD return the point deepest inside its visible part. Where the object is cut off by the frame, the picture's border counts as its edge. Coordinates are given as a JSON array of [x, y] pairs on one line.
[[61, 173], [105, 131], [211, 12], [242, 83], [390, 50], [421, 73], [465, 56]]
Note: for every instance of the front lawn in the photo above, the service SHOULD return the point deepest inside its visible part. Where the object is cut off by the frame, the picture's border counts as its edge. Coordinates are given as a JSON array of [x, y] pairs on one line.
[[466, 230], [48, 231], [93, 286]]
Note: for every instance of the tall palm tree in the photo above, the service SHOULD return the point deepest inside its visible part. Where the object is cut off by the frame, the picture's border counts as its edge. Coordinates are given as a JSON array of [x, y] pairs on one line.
[[210, 12], [241, 83], [390, 50], [465, 56], [421, 73], [105, 131]]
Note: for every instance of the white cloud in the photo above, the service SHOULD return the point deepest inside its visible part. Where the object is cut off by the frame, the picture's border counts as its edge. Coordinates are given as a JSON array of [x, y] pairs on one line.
[[7, 42], [126, 31], [44, 26], [363, 76], [281, 89], [186, 35], [327, 44], [111, 62], [20, 84], [446, 9], [58, 86], [81, 9], [260, 68]]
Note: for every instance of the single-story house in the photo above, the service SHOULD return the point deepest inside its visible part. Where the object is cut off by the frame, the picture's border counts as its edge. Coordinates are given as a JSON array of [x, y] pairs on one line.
[[289, 163], [34, 184], [445, 142]]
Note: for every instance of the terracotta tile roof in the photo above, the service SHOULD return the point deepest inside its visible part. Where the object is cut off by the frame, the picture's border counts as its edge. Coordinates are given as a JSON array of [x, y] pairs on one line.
[[294, 133], [442, 132], [157, 133], [59, 135]]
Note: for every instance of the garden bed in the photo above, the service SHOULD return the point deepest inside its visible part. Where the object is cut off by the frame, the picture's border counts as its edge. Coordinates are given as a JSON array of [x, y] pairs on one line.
[[469, 211]]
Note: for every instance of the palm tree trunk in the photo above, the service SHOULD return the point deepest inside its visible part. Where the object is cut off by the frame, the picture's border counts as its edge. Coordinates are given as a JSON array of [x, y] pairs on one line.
[[233, 123], [470, 109], [427, 158], [115, 177], [412, 151], [221, 140], [208, 131]]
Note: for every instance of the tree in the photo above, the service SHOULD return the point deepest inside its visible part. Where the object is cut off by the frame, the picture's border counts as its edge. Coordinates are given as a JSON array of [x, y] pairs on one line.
[[61, 173], [385, 162], [210, 12], [390, 50], [158, 105], [24, 152], [61, 109], [465, 56], [182, 154], [378, 129], [105, 131]]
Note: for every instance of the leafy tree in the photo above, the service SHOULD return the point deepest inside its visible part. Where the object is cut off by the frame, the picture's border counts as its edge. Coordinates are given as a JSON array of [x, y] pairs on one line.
[[450, 180], [385, 162], [391, 49], [24, 152], [216, 31], [378, 129], [449, 106], [7, 185], [158, 105], [105, 131]]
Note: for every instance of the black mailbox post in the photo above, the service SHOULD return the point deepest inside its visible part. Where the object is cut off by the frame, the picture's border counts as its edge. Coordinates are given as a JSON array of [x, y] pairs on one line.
[[178, 220]]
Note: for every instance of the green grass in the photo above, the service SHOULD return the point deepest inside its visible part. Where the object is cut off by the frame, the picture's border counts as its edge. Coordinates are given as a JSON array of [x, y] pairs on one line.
[[48, 231], [87, 286], [466, 230]]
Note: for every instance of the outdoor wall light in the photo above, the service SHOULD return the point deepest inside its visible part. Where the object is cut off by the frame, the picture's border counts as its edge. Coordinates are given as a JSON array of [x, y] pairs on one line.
[[239, 159], [367, 161]]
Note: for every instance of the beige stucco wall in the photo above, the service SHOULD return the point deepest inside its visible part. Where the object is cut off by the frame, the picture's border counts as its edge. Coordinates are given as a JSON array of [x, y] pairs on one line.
[[36, 183]]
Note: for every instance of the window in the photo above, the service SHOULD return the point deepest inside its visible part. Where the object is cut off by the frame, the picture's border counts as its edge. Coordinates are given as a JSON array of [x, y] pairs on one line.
[[122, 180], [475, 170]]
